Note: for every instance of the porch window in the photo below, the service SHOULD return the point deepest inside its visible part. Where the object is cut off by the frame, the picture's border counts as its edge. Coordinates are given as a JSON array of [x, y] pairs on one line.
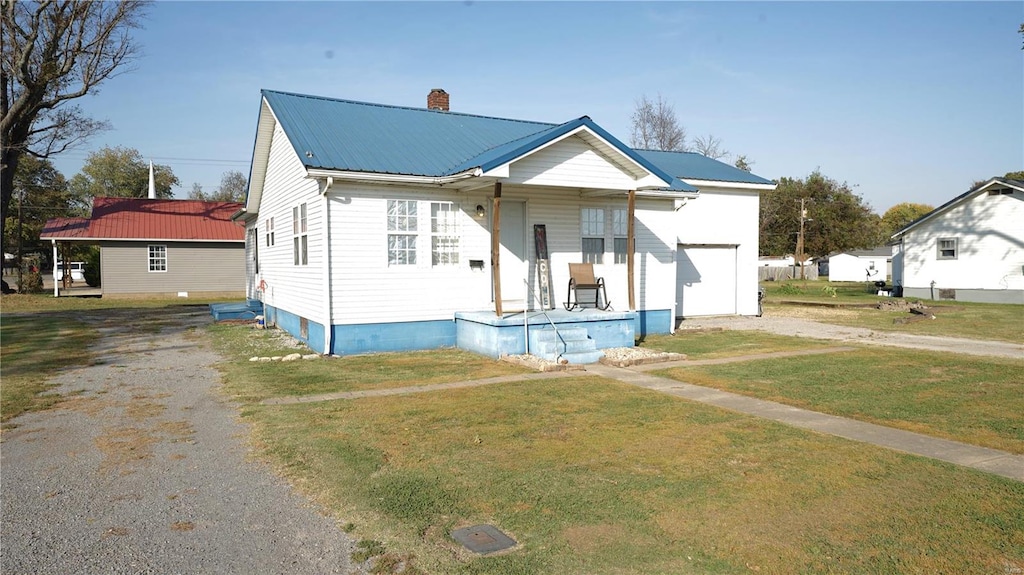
[[300, 239], [620, 233], [269, 225], [592, 235], [947, 249], [402, 231], [444, 233], [157, 258]]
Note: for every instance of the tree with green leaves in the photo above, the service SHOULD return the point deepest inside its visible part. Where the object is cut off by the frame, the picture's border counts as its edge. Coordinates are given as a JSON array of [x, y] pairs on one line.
[[53, 52], [898, 216], [40, 193], [744, 163], [233, 186], [120, 173], [836, 219]]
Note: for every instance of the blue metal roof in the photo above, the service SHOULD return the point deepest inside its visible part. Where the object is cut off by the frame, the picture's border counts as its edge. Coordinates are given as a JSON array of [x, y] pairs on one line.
[[693, 166], [333, 134]]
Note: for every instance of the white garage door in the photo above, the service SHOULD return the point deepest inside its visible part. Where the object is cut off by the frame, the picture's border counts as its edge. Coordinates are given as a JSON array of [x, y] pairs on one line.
[[705, 280]]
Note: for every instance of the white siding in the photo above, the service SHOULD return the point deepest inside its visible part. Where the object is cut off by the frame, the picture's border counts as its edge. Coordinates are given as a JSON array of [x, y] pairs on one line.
[[851, 268], [569, 163], [296, 289], [725, 218], [368, 290], [990, 242]]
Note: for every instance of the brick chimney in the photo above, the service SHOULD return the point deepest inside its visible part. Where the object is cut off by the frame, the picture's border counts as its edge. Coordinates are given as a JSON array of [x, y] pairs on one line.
[[437, 99]]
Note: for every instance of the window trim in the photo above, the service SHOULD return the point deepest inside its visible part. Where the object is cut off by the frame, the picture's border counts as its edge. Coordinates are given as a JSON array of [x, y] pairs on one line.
[[623, 236], [300, 235], [587, 234], [938, 249], [405, 225], [269, 230], [454, 250], [151, 259]]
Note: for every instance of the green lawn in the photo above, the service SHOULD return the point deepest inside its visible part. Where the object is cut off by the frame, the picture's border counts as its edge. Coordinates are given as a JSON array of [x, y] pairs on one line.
[[594, 476]]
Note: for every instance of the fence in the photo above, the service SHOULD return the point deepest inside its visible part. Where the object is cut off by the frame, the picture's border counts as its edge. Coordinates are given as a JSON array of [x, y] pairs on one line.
[[777, 274]]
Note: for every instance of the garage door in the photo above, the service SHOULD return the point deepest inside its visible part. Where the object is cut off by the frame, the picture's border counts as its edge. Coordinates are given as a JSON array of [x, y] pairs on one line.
[[705, 280]]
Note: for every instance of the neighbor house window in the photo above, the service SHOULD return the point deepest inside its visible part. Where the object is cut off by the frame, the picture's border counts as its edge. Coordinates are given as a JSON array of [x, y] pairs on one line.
[[270, 231], [947, 248], [157, 258], [402, 228], [300, 239], [592, 235], [444, 233], [620, 231]]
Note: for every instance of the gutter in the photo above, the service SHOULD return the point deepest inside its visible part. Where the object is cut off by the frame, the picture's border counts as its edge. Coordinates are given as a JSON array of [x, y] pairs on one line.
[[372, 177]]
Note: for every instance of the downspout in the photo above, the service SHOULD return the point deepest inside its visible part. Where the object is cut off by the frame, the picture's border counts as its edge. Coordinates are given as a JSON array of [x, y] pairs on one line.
[[328, 304]]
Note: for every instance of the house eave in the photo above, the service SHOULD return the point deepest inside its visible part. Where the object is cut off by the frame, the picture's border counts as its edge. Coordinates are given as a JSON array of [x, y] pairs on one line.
[[730, 185], [400, 179]]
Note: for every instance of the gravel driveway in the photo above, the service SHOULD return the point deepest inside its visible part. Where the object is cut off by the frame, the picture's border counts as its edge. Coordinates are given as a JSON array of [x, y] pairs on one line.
[[145, 470], [808, 328]]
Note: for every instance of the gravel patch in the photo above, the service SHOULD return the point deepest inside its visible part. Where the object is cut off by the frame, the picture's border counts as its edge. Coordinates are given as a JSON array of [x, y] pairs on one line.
[[628, 356], [145, 469], [539, 364]]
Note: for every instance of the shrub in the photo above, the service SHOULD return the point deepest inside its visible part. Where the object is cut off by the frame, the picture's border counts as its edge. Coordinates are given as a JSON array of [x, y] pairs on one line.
[[92, 267]]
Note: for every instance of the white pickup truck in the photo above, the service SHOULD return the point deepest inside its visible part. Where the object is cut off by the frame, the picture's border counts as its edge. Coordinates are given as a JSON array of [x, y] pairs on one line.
[[77, 271]]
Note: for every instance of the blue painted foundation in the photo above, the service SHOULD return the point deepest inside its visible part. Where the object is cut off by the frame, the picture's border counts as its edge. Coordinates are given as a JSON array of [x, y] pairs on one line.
[[490, 335], [292, 324], [404, 336], [650, 322]]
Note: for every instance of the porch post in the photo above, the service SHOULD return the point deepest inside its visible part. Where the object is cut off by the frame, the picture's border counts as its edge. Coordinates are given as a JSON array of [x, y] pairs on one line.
[[496, 247], [630, 246], [56, 288]]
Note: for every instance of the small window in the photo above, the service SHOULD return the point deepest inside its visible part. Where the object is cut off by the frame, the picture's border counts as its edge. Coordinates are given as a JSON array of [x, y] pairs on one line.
[[444, 233], [270, 232], [402, 228], [620, 232], [300, 239], [157, 258], [592, 235], [947, 249]]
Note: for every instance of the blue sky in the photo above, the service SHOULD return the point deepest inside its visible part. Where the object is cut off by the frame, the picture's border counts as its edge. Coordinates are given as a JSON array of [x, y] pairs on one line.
[[906, 102]]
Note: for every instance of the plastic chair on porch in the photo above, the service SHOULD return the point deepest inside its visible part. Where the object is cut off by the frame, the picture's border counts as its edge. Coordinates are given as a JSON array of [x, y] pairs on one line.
[[585, 290]]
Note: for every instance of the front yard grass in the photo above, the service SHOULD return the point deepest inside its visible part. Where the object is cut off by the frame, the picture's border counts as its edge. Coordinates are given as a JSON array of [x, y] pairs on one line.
[[977, 400], [594, 476], [728, 343]]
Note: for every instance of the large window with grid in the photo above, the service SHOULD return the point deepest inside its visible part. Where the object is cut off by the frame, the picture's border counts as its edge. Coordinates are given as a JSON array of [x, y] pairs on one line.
[[947, 249], [592, 235], [403, 226], [444, 234], [157, 258], [300, 236]]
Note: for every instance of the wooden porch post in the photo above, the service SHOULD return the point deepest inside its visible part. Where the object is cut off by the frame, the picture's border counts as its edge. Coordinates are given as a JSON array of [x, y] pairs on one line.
[[630, 246], [496, 247]]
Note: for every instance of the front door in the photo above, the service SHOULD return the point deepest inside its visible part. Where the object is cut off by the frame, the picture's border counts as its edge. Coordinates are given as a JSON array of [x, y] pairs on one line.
[[513, 256]]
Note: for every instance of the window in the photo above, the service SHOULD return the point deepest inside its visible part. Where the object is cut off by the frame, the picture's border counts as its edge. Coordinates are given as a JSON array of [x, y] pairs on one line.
[[402, 228], [947, 249], [444, 233], [157, 258], [300, 239], [270, 232], [620, 233], [592, 235]]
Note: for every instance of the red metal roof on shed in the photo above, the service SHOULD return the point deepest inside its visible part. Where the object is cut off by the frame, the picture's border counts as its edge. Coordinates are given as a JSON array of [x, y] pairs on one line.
[[145, 219]]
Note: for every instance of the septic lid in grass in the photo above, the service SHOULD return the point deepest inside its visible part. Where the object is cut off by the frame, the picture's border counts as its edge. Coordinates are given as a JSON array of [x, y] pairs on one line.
[[483, 539]]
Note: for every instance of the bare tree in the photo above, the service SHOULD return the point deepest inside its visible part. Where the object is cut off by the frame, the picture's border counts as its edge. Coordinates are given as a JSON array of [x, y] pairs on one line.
[[743, 162], [53, 52], [655, 126], [233, 186], [710, 146]]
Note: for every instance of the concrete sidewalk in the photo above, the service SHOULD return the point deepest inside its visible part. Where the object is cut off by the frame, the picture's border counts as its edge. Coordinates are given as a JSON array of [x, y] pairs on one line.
[[981, 458]]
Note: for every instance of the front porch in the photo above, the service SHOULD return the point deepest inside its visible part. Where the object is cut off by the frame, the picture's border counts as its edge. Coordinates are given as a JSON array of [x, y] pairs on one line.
[[555, 335]]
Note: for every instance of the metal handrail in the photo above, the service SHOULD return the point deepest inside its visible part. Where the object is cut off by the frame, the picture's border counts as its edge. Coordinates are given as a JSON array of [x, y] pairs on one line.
[[526, 321]]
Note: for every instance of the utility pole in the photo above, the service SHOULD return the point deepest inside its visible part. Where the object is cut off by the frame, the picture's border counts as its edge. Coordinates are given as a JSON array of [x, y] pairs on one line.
[[800, 239]]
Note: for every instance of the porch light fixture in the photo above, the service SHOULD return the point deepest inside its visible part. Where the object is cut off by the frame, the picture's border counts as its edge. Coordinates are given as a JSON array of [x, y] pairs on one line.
[[480, 211]]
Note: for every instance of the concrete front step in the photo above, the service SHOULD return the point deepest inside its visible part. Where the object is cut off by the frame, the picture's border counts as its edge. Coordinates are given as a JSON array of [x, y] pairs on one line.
[[572, 344]]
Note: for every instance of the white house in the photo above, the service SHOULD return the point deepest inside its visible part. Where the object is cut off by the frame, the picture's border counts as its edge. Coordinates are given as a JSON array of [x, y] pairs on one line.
[[860, 265], [369, 227], [968, 249]]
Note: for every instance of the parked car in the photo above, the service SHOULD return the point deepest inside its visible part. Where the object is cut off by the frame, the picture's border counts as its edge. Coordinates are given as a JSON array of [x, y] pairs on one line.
[[77, 271]]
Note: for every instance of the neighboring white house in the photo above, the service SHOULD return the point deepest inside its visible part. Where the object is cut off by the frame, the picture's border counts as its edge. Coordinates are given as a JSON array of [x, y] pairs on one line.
[[969, 249], [860, 265], [369, 226]]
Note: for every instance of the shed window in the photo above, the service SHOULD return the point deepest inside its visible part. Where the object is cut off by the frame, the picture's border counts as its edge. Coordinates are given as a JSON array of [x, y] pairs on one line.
[[592, 235], [300, 239], [402, 231], [947, 249], [157, 258], [444, 233]]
